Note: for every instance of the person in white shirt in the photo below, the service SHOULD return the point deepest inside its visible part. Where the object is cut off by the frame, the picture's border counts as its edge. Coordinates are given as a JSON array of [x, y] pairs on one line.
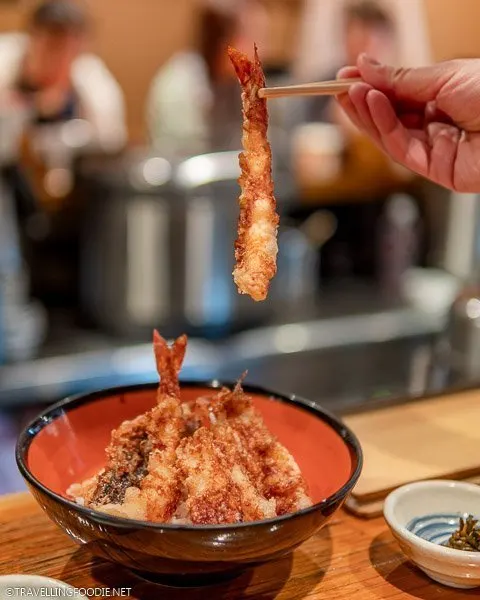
[[49, 69], [58, 104], [46, 74], [194, 101]]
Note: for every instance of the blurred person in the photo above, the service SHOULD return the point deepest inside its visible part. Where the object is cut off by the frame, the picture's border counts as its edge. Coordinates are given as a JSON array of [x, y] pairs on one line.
[[367, 28], [48, 68], [366, 171], [47, 74], [194, 103], [72, 106], [366, 177]]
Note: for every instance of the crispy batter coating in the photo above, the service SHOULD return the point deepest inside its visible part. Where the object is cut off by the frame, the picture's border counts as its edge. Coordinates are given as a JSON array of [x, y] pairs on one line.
[[256, 246], [140, 476], [127, 456], [281, 477], [219, 486], [209, 461]]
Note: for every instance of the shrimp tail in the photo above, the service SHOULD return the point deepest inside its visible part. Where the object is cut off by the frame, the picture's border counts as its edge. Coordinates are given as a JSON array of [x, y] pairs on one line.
[[169, 360]]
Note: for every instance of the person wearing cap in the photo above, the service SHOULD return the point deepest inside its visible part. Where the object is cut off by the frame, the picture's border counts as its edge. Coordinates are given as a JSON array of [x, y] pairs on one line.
[[49, 69]]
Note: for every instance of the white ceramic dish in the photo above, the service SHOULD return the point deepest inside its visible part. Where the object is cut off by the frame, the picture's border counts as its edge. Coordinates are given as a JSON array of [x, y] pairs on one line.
[[422, 516], [15, 586]]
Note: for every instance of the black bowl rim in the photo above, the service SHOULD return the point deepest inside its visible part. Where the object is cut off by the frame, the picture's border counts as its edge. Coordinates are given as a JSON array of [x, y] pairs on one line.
[[50, 414]]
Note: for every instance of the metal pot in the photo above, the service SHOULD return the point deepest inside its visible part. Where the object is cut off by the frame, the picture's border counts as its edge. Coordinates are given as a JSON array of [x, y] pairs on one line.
[[158, 250], [210, 188], [126, 255]]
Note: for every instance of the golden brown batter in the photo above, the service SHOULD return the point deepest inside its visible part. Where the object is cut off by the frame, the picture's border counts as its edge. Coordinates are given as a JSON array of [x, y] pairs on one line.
[[256, 247], [209, 461]]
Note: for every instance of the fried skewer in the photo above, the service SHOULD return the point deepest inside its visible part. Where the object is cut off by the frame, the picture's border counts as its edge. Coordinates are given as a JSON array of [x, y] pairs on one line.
[[256, 246]]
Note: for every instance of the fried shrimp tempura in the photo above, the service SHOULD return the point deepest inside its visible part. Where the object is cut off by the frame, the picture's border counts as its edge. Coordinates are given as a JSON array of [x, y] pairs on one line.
[[205, 461], [160, 490], [256, 247], [281, 478], [140, 477], [217, 474]]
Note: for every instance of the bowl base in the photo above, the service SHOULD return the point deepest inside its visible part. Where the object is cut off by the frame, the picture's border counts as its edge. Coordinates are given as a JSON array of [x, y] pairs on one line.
[[187, 580], [460, 583]]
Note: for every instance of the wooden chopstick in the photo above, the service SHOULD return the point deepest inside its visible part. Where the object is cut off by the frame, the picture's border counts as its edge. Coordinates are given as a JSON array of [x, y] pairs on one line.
[[319, 88]]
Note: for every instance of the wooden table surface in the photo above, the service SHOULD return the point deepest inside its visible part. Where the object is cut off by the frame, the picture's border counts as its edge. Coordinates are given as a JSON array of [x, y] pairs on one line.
[[349, 559]]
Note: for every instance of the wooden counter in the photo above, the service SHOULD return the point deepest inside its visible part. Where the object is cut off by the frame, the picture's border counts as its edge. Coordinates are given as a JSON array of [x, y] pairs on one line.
[[350, 559]]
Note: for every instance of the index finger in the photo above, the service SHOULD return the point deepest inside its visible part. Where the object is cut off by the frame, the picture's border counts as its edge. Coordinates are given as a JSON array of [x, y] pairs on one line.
[[399, 143], [348, 72]]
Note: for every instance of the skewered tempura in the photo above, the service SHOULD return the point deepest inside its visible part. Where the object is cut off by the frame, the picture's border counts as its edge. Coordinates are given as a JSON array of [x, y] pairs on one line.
[[207, 461]]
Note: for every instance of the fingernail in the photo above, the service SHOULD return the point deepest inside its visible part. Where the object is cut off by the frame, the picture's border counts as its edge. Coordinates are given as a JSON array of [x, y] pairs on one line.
[[369, 60]]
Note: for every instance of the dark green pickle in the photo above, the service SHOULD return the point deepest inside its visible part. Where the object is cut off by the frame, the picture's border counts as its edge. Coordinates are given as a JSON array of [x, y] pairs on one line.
[[467, 537]]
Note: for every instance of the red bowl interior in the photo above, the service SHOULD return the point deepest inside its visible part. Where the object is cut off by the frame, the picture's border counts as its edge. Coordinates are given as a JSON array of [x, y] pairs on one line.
[[72, 447]]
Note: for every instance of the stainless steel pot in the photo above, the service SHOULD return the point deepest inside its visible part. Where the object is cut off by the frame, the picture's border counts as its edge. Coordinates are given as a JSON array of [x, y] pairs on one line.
[[158, 250], [209, 185], [460, 346], [126, 255]]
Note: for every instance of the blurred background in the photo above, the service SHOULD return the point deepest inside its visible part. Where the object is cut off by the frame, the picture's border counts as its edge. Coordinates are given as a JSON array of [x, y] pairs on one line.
[[120, 128]]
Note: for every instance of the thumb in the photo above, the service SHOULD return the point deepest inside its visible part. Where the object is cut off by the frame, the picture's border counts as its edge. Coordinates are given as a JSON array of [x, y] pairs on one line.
[[414, 84]]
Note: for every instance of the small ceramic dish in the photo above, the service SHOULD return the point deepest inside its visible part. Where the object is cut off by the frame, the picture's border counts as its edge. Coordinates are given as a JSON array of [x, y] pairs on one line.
[[35, 585], [423, 515]]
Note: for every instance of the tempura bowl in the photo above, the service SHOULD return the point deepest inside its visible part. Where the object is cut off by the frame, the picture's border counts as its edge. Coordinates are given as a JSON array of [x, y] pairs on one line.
[[66, 444]]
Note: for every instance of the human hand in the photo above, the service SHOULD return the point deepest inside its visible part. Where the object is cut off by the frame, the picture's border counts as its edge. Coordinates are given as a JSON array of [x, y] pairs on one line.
[[427, 119], [338, 116]]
